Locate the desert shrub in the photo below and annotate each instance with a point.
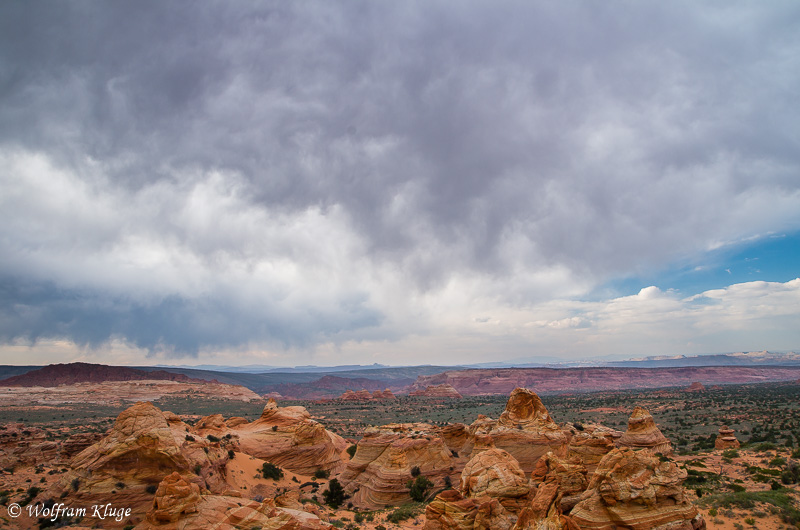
(120, 485)
(401, 513)
(777, 462)
(197, 469)
(274, 428)
(189, 438)
(712, 512)
(358, 517)
(415, 471)
(419, 487)
(730, 453)
(736, 487)
(269, 470)
(352, 451)
(151, 489)
(334, 495)
(231, 454)
(212, 438)
(76, 483)
(321, 473)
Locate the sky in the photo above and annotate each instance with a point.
(291, 183)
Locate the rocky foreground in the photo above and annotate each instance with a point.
(519, 471)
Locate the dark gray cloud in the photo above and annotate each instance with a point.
(438, 139)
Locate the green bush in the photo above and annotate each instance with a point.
(415, 471)
(419, 487)
(401, 513)
(269, 470)
(321, 473)
(352, 451)
(334, 495)
(730, 453)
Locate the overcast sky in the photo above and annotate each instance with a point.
(396, 182)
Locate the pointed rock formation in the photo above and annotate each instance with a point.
(636, 490)
(726, 439)
(174, 499)
(386, 394)
(378, 473)
(643, 433)
(525, 429)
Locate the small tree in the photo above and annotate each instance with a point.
(419, 487)
(334, 495)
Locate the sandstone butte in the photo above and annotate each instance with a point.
(378, 473)
(180, 505)
(696, 387)
(365, 395)
(143, 446)
(643, 433)
(524, 429)
(437, 391)
(71, 373)
(726, 439)
(285, 436)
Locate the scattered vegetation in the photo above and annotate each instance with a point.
(270, 470)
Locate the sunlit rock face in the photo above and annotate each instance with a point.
(284, 436)
(635, 489)
(643, 433)
(144, 446)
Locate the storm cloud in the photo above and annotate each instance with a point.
(190, 177)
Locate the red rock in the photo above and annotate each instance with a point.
(437, 391)
(696, 387)
(643, 433)
(726, 439)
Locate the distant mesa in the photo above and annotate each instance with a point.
(696, 387)
(726, 439)
(69, 374)
(444, 390)
(365, 395)
(272, 395)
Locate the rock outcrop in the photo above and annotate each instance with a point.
(71, 373)
(379, 472)
(643, 433)
(635, 489)
(437, 391)
(591, 444)
(144, 445)
(284, 436)
(525, 429)
(726, 439)
(696, 387)
(179, 505)
(383, 394)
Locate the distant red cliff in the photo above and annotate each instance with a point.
(68, 374)
(476, 382)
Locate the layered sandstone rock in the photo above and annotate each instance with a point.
(378, 474)
(385, 394)
(179, 505)
(525, 429)
(726, 439)
(643, 433)
(437, 391)
(696, 387)
(493, 489)
(569, 474)
(544, 510)
(284, 436)
(144, 445)
(634, 489)
(592, 444)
